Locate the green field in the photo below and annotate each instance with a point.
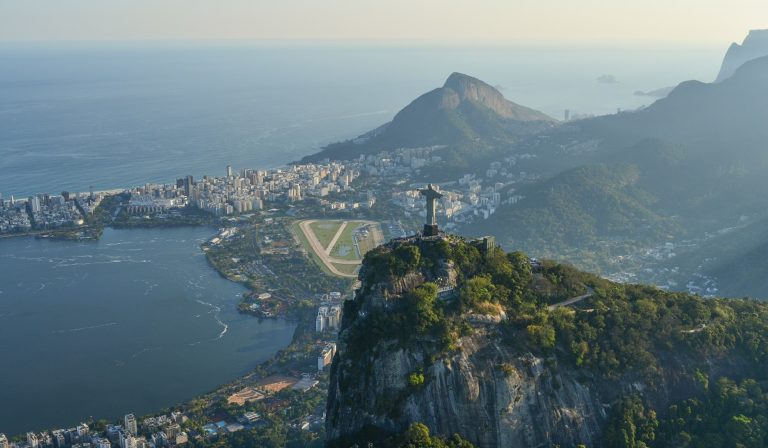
(330, 261)
(325, 231)
(308, 248)
(345, 246)
(369, 242)
(347, 268)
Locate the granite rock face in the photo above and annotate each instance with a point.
(459, 87)
(755, 45)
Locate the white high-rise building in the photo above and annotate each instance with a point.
(127, 440)
(34, 204)
(32, 440)
(328, 318)
(130, 424)
(326, 356)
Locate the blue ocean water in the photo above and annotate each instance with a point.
(113, 115)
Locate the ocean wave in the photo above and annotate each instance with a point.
(145, 350)
(150, 288)
(216, 310)
(111, 261)
(92, 327)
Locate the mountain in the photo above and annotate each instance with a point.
(578, 208)
(735, 259)
(463, 111)
(461, 89)
(656, 93)
(697, 157)
(755, 45)
(452, 336)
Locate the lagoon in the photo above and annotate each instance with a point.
(133, 323)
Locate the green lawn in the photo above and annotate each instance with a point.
(345, 248)
(325, 231)
(347, 268)
(308, 247)
(369, 242)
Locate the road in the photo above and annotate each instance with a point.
(572, 300)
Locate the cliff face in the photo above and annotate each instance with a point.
(487, 393)
(524, 404)
(755, 45)
(487, 388)
(466, 88)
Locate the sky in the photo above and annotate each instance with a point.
(503, 21)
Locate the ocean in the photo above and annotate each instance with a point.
(110, 115)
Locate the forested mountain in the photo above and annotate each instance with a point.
(465, 114)
(448, 336)
(698, 160)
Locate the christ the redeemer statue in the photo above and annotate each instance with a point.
(430, 227)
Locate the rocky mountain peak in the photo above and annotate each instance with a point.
(460, 87)
(755, 45)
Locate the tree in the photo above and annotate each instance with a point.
(476, 290)
(421, 306)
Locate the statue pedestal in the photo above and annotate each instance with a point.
(430, 230)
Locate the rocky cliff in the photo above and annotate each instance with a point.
(501, 381)
(755, 45)
(461, 87)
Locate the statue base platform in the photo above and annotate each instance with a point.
(430, 230)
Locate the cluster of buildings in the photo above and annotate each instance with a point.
(45, 211)
(465, 199)
(14, 218)
(328, 318)
(246, 190)
(165, 431)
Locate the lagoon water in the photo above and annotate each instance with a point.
(135, 322)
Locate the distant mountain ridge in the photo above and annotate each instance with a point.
(465, 109)
(697, 160)
(755, 45)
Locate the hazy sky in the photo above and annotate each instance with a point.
(524, 21)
